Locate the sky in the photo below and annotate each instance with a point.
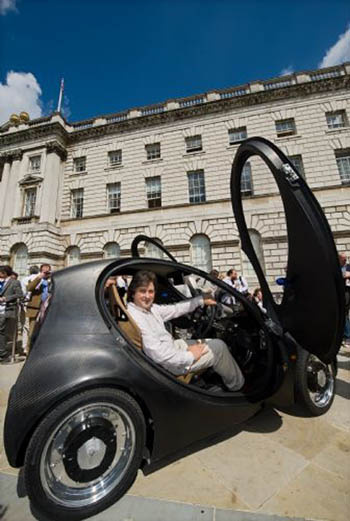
(119, 54)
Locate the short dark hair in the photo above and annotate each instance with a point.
(228, 273)
(6, 269)
(256, 291)
(140, 280)
(33, 270)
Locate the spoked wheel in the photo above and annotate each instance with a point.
(85, 455)
(315, 383)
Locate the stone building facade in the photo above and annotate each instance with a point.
(74, 192)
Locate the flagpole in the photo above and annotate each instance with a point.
(60, 96)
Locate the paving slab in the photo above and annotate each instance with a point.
(316, 493)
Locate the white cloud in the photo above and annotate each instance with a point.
(339, 53)
(7, 5)
(21, 91)
(287, 70)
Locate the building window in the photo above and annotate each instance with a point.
(152, 250)
(19, 258)
(29, 202)
(73, 256)
(34, 163)
(343, 164)
(193, 144)
(336, 119)
(285, 127)
(154, 192)
(297, 162)
(77, 203)
(201, 252)
(246, 180)
(153, 151)
(115, 158)
(247, 267)
(236, 135)
(111, 250)
(114, 197)
(196, 186)
(80, 164)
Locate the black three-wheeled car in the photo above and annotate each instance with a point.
(89, 409)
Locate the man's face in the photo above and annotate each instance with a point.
(46, 270)
(3, 275)
(234, 275)
(144, 296)
(342, 259)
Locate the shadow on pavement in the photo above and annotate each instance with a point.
(343, 388)
(343, 365)
(267, 421)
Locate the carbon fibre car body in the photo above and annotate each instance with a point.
(84, 379)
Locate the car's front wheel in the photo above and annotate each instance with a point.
(85, 454)
(314, 383)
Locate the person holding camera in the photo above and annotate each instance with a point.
(39, 291)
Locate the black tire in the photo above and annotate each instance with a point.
(315, 384)
(84, 455)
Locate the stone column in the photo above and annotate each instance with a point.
(6, 165)
(53, 178)
(12, 191)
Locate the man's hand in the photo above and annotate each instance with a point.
(209, 301)
(198, 350)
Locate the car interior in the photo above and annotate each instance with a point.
(241, 329)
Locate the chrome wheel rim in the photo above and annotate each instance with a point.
(320, 381)
(87, 454)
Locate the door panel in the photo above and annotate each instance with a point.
(312, 308)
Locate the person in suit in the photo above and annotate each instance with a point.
(39, 291)
(10, 292)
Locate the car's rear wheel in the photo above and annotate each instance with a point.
(85, 454)
(314, 384)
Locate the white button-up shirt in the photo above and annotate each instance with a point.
(158, 343)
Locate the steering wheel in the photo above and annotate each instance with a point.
(202, 320)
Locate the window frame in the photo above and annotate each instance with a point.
(154, 197)
(77, 205)
(32, 169)
(238, 131)
(116, 196)
(26, 202)
(76, 167)
(153, 151)
(284, 132)
(342, 156)
(333, 114)
(192, 185)
(118, 161)
(247, 173)
(194, 144)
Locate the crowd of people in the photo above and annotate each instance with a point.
(20, 304)
(21, 301)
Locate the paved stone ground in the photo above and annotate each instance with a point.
(277, 467)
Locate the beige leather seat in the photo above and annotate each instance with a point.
(128, 325)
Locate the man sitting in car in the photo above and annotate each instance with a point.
(177, 356)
